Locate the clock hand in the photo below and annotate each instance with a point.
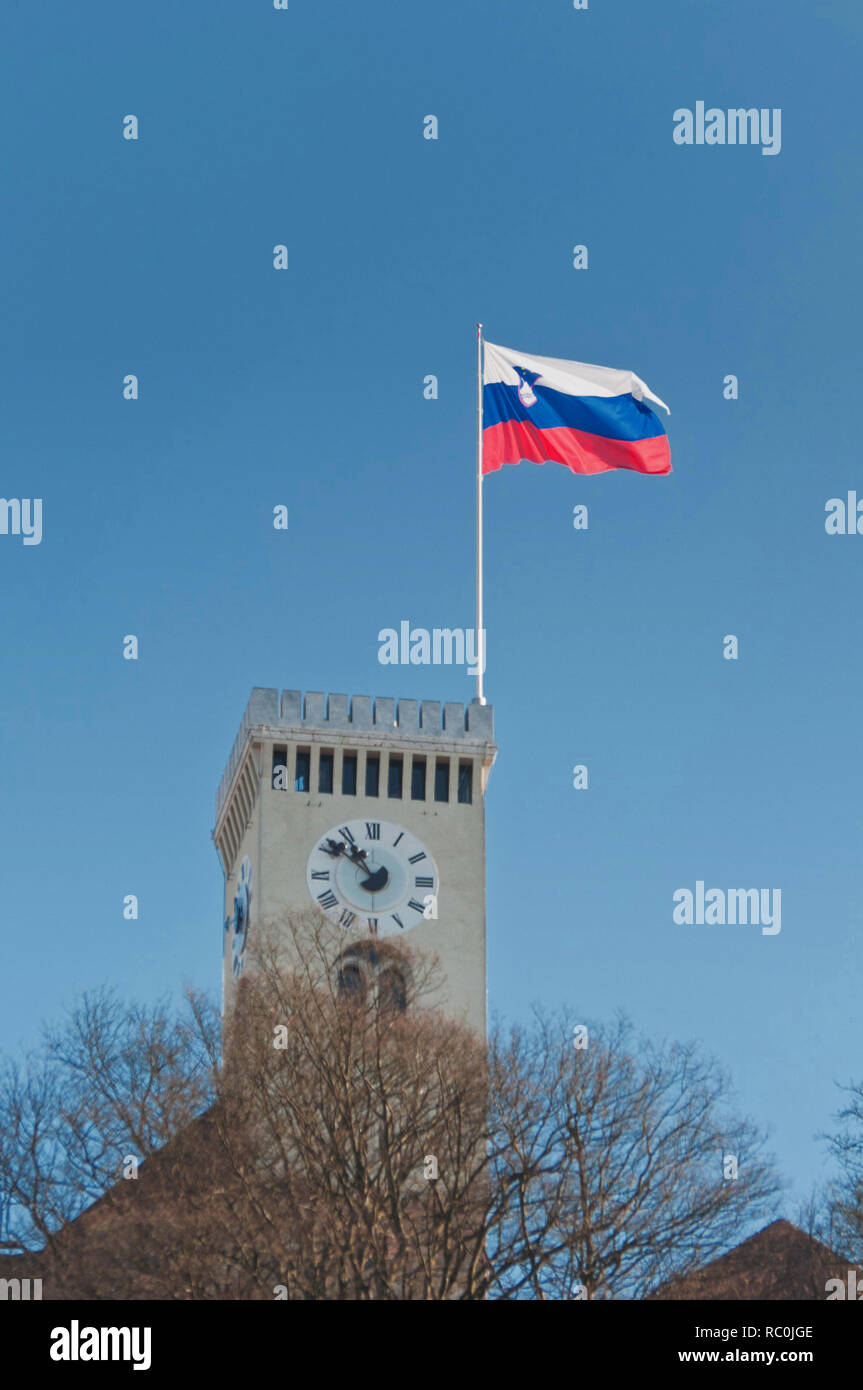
(335, 848)
(376, 880)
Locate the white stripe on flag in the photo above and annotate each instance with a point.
(572, 378)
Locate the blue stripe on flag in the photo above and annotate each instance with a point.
(612, 417)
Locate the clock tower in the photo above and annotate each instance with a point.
(369, 812)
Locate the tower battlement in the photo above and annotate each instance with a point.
(359, 714)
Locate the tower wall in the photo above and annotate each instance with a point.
(273, 829)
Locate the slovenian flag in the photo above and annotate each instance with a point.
(547, 410)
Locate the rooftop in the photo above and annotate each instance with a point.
(360, 714)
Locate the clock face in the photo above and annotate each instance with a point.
(373, 878)
(242, 912)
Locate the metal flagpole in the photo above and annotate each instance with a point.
(480, 643)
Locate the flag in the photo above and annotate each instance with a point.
(548, 410)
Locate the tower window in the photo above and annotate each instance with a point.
(325, 773)
(351, 980)
(301, 779)
(349, 774)
(396, 773)
(392, 991)
(441, 780)
(465, 783)
(418, 779)
(373, 774)
(280, 767)
(377, 977)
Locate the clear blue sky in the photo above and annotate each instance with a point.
(305, 388)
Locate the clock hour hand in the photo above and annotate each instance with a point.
(375, 881)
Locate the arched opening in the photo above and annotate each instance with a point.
(365, 966)
(351, 981)
(392, 990)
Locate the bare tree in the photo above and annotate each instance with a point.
(108, 1088)
(841, 1208)
(354, 1119)
(611, 1157)
(357, 1144)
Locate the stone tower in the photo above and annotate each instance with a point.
(370, 812)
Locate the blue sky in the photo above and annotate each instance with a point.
(305, 388)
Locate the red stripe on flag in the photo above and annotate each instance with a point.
(516, 441)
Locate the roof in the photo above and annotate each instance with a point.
(780, 1262)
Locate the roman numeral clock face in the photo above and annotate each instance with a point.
(373, 878)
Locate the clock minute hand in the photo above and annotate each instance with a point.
(377, 879)
(337, 848)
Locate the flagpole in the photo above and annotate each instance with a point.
(480, 644)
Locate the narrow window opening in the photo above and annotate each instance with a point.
(465, 783)
(280, 767)
(301, 777)
(441, 780)
(418, 779)
(349, 774)
(396, 773)
(373, 774)
(325, 773)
